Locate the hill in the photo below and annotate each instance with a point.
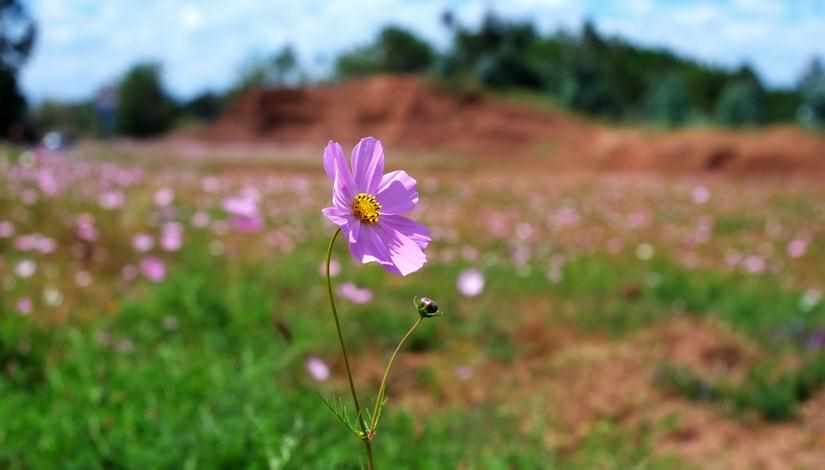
(415, 114)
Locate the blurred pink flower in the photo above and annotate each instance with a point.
(153, 269)
(244, 211)
(47, 182)
(317, 369)
(200, 219)
(35, 242)
(143, 242)
(85, 228)
(638, 219)
(565, 217)
(354, 293)
(24, 306)
(111, 200)
(6, 229)
(369, 207)
(700, 195)
(210, 184)
(334, 268)
(83, 279)
(247, 224)
(25, 268)
(45, 245)
(754, 264)
(241, 206)
(797, 248)
(733, 258)
(171, 236)
(470, 282)
(524, 231)
(164, 197)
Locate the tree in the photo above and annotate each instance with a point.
(395, 51)
(144, 107)
(17, 37)
(206, 106)
(741, 104)
(279, 69)
(813, 76)
(812, 89)
(668, 101)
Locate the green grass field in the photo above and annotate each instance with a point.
(627, 321)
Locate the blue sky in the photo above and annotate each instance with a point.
(202, 43)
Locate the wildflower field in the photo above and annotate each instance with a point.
(164, 306)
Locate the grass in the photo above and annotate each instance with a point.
(194, 375)
(207, 368)
(769, 391)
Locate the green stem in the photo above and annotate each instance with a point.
(379, 401)
(365, 438)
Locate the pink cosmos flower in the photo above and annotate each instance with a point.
(200, 219)
(754, 264)
(154, 269)
(111, 200)
(796, 248)
(334, 268)
(85, 228)
(318, 369)
(244, 211)
(700, 195)
(24, 306)
(25, 268)
(355, 294)
(241, 206)
(470, 282)
(369, 206)
(171, 237)
(6, 229)
(164, 197)
(143, 242)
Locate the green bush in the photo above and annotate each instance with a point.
(144, 107)
(396, 50)
(668, 101)
(741, 104)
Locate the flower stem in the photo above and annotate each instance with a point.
(366, 436)
(379, 401)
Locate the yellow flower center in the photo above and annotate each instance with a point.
(366, 208)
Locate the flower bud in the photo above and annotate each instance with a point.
(427, 307)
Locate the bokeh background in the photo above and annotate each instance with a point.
(625, 199)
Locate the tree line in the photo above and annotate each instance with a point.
(605, 77)
(608, 78)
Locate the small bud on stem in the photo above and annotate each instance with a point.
(427, 307)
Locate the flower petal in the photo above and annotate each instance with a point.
(368, 165)
(368, 247)
(332, 152)
(353, 230)
(337, 215)
(397, 195)
(337, 169)
(418, 233)
(394, 251)
(405, 254)
(397, 175)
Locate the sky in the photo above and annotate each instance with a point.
(202, 44)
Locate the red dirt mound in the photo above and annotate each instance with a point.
(411, 113)
(400, 110)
